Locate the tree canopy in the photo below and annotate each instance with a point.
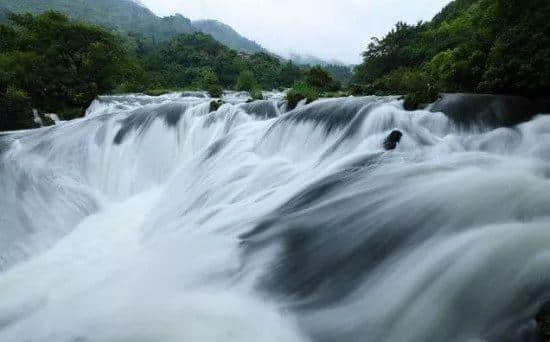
(489, 46)
(55, 64)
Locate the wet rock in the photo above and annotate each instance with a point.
(261, 108)
(215, 105)
(492, 111)
(392, 140)
(543, 323)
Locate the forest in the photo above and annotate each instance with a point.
(56, 65)
(472, 46)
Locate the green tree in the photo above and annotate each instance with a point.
(209, 81)
(61, 65)
(15, 110)
(320, 79)
(290, 73)
(246, 81)
(494, 46)
(300, 91)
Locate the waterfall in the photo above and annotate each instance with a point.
(154, 219)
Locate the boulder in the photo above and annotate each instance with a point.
(543, 323)
(490, 111)
(392, 140)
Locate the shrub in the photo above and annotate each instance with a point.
(300, 91)
(158, 92)
(46, 120)
(246, 81)
(420, 98)
(209, 82)
(256, 94)
(15, 110)
(320, 79)
(215, 90)
(357, 89)
(418, 86)
(70, 113)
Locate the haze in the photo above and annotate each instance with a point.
(325, 28)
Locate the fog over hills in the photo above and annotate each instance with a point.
(226, 35)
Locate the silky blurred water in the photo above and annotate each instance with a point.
(152, 219)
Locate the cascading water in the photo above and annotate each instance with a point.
(154, 220)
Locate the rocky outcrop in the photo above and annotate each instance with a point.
(490, 110)
(543, 323)
(261, 108)
(215, 105)
(392, 140)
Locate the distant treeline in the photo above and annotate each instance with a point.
(476, 46)
(56, 65)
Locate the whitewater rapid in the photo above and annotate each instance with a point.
(154, 219)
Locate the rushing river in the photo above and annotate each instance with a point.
(153, 219)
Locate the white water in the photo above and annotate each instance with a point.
(154, 220)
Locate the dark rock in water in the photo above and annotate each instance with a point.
(490, 110)
(142, 118)
(261, 108)
(215, 105)
(392, 140)
(543, 322)
(336, 113)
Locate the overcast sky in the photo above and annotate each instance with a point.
(339, 29)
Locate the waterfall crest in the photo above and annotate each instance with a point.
(154, 219)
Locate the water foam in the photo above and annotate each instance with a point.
(154, 219)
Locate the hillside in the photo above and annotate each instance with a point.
(338, 70)
(119, 15)
(313, 60)
(473, 46)
(227, 35)
(57, 65)
(131, 17)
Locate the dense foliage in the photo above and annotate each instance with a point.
(247, 82)
(337, 70)
(492, 46)
(340, 73)
(55, 65)
(52, 64)
(317, 83)
(128, 18)
(184, 61)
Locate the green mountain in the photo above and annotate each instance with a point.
(474, 46)
(119, 15)
(313, 60)
(338, 70)
(131, 17)
(227, 36)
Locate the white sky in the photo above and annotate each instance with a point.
(328, 29)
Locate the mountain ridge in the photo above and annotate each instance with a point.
(132, 16)
(227, 35)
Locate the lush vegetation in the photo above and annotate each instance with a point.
(53, 64)
(247, 82)
(489, 46)
(317, 83)
(337, 70)
(198, 61)
(129, 18)
(340, 73)
(50, 63)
